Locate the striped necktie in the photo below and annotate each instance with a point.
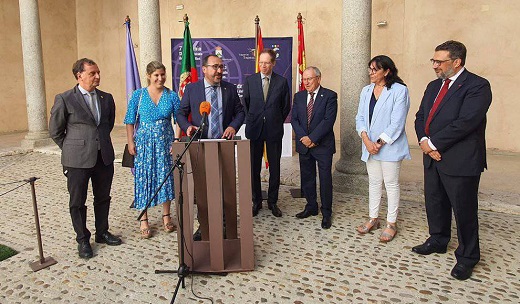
(310, 106)
(214, 131)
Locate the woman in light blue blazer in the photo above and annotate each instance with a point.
(380, 122)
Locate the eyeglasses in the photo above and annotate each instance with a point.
(309, 79)
(265, 63)
(372, 70)
(438, 62)
(216, 66)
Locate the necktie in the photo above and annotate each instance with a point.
(265, 87)
(436, 104)
(92, 106)
(214, 131)
(310, 106)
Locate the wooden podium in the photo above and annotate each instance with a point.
(210, 179)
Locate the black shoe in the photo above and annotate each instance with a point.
(428, 248)
(84, 250)
(461, 271)
(256, 209)
(306, 213)
(108, 238)
(197, 236)
(326, 222)
(275, 210)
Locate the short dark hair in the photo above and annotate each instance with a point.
(270, 52)
(205, 59)
(79, 66)
(456, 49)
(385, 63)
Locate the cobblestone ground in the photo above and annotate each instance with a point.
(296, 261)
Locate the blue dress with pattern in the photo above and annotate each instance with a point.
(153, 140)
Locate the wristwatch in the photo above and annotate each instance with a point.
(380, 141)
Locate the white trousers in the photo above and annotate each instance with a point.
(387, 171)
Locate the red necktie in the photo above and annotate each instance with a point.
(310, 106)
(436, 104)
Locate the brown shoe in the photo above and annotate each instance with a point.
(370, 225)
(388, 233)
(146, 232)
(168, 226)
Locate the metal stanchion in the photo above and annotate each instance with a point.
(43, 262)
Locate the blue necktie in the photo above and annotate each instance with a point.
(214, 131)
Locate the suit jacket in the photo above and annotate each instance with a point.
(321, 126)
(195, 93)
(458, 126)
(73, 128)
(272, 112)
(388, 122)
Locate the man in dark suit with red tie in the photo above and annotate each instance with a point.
(450, 126)
(80, 124)
(267, 102)
(313, 115)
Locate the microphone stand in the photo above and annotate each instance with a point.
(184, 270)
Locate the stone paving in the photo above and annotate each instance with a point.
(296, 260)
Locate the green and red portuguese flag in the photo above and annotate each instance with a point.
(188, 67)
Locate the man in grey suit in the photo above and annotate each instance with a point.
(267, 102)
(80, 124)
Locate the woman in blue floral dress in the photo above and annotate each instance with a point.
(153, 108)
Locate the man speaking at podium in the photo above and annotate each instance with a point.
(224, 120)
(226, 115)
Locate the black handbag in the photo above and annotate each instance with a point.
(128, 159)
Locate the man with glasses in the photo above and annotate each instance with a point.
(313, 115)
(450, 126)
(226, 115)
(267, 102)
(224, 120)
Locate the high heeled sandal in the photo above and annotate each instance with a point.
(146, 233)
(169, 226)
(370, 225)
(388, 233)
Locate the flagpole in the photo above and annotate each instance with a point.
(257, 24)
(301, 65)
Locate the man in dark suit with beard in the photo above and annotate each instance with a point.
(225, 119)
(313, 115)
(450, 126)
(80, 124)
(267, 102)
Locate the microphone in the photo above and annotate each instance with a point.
(204, 109)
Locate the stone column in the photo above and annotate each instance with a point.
(149, 33)
(38, 134)
(350, 172)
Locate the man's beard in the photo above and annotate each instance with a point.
(445, 75)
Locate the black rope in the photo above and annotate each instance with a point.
(26, 182)
(15, 182)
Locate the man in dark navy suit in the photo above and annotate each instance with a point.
(313, 116)
(267, 102)
(224, 120)
(450, 126)
(226, 115)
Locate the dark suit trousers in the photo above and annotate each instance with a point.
(274, 153)
(444, 193)
(308, 178)
(77, 184)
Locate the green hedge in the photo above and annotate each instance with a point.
(6, 252)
